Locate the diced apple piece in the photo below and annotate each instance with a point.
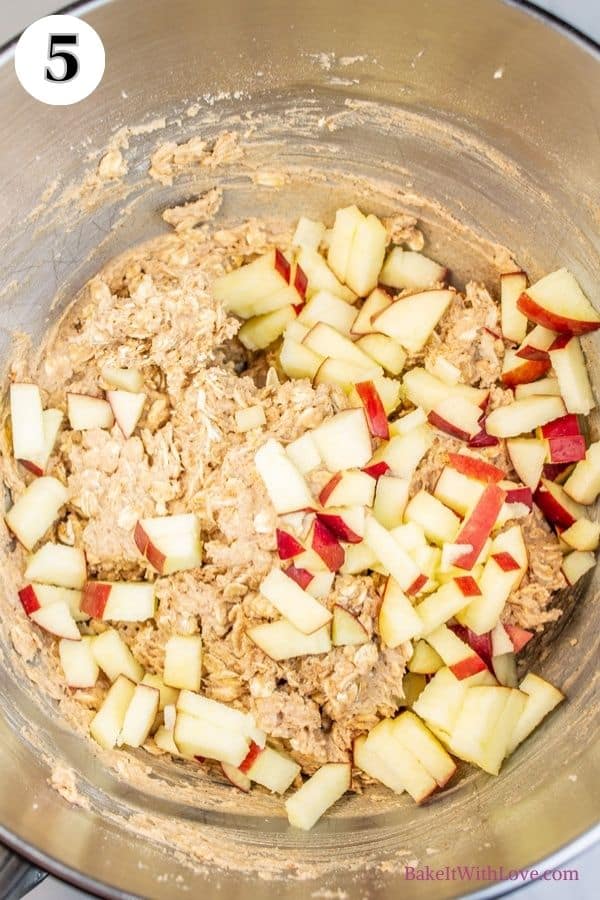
(376, 302)
(516, 370)
(199, 737)
(261, 331)
(485, 726)
(366, 256)
(460, 658)
(56, 619)
(78, 663)
(304, 454)
(346, 523)
(52, 421)
(557, 302)
(57, 564)
(250, 417)
(358, 558)
(545, 386)
(26, 421)
(346, 223)
(583, 485)
(568, 449)
(391, 497)
(269, 768)
(557, 505)
(425, 390)
(127, 409)
(285, 485)
(171, 543)
(327, 342)
(388, 552)
(351, 488)
(346, 629)
(384, 351)
(167, 695)
(220, 715)
(374, 766)
(398, 620)
(413, 735)
(425, 660)
(119, 601)
(320, 277)
(327, 546)
(535, 345)
(374, 409)
(444, 370)
(308, 233)
(444, 603)
(241, 289)
(458, 491)
(297, 360)
(542, 698)
(139, 717)
(404, 452)
(287, 545)
(514, 323)
(412, 774)
(527, 456)
(497, 582)
(236, 777)
(568, 363)
(34, 595)
(441, 701)
(115, 658)
(303, 611)
(343, 441)
(479, 524)
(412, 320)
(319, 585)
(280, 640)
(106, 725)
(582, 535)
(163, 738)
(85, 412)
(123, 379)
(413, 685)
(322, 790)
(183, 662)
(326, 307)
(457, 417)
(342, 373)
(475, 467)
(519, 636)
(576, 564)
(439, 523)
(566, 426)
(524, 415)
(408, 269)
(36, 510)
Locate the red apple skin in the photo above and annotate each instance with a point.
(417, 584)
(94, 599)
(519, 636)
(558, 472)
(481, 644)
(31, 467)
(28, 599)
(155, 557)
(141, 538)
(377, 470)
(302, 577)
(438, 422)
(248, 760)
(329, 488)
(300, 281)
(374, 411)
(529, 370)
(468, 666)
(476, 468)
(287, 545)
(568, 449)
(555, 322)
(468, 586)
(562, 427)
(282, 266)
(328, 547)
(522, 495)
(483, 439)
(551, 508)
(477, 528)
(506, 562)
(562, 340)
(336, 525)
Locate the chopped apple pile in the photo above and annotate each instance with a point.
(342, 308)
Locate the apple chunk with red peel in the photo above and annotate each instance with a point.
(119, 601)
(199, 737)
(557, 302)
(455, 653)
(352, 487)
(115, 658)
(541, 698)
(457, 417)
(106, 725)
(57, 564)
(85, 412)
(285, 486)
(327, 546)
(460, 492)
(569, 366)
(170, 543)
(303, 611)
(346, 630)
(36, 510)
(287, 545)
(412, 320)
(237, 778)
(478, 526)
(439, 523)
(556, 504)
(583, 484)
(398, 619)
(240, 290)
(514, 323)
(280, 640)
(576, 564)
(344, 441)
(516, 370)
(475, 467)
(568, 449)
(139, 716)
(519, 636)
(374, 409)
(26, 421)
(409, 269)
(524, 415)
(183, 662)
(446, 602)
(582, 535)
(127, 409)
(35, 595)
(57, 619)
(270, 768)
(322, 790)
(376, 302)
(383, 350)
(346, 524)
(424, 390)
(52, 421)
(119, 379)
(78, 664)
(527, 456)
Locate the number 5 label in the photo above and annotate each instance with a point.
(59, 60)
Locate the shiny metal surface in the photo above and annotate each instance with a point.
(514, 157)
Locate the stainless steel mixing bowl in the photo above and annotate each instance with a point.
(481, 106)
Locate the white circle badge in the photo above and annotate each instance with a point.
(59, 60)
